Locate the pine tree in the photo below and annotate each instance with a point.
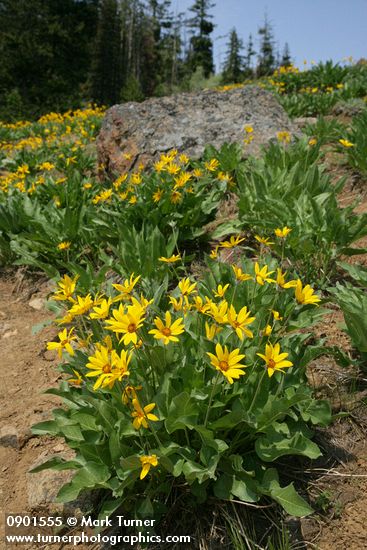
(106, 74)
(266, 59)
(286, 57)
(233, 65)
(45, 53)
(201, 45)
(250, 52)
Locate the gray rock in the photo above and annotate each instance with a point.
(43, 487)
(135, 133)
(350, 108)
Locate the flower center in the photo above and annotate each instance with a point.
(166, 331)
(131, 327)
(223, 365)
(107, 368)
(63, 342)
(271, 364)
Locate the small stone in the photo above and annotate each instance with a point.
(10, 333)
(37, 304)
(9, 437)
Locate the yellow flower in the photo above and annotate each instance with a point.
(221, 290)
(239, 321)
(64, 343)
(282, 233)
(78, 380)
(212, 165)
(100, 364)
(212, 330)
(186, 287)
(263, 240)
(66, 288)
(129, 393)
(281, 280)
(219, 312)
(175, 197)
(233, 241)
(276, 315)
(182, 179)
(82, 305)
(200, 306)
(214, 253)
(267, 330)
(312, 141)
(102, 311)
(159, 165)
(274, 359)
(171, 259)
(120, 364)
(64, 245)
(240, 275)
(228, 363)
(157, 195)
(284, 137)
(127, 323)
(147, 461)
(178, 304)
(197, 172)
(305, 295)
(263, 275)
(248, 129)
(46, 166)
(142, 415)
(127, 287)
(167, 332)
(184, 159)
(173, 168)
(346, 143)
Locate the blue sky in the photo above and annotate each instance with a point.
(314, 29)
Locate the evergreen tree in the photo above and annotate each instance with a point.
(286, 57)
(106, 70)
(266, 59)
(46, 53)
(250, 52)
(201, 45)
(233, 65)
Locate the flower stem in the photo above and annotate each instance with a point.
(211, 399)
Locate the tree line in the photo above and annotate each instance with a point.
(58, 54)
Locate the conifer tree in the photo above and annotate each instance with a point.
(201, 45)
(250, 53)
(233, 65)
(266, 59)
(286, 60)
(106, 73)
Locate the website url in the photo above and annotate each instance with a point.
(75, 540)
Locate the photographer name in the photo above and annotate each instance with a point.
(121, 521)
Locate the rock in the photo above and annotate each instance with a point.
(135, 133)
(43, 487)
(9, 437)
(350, 108)
(303, 121)
(37, 303)
(10, 333)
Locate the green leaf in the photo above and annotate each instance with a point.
(182, 413)
(56, 463)
(287, 496)
(274, 445)
(91, 476)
